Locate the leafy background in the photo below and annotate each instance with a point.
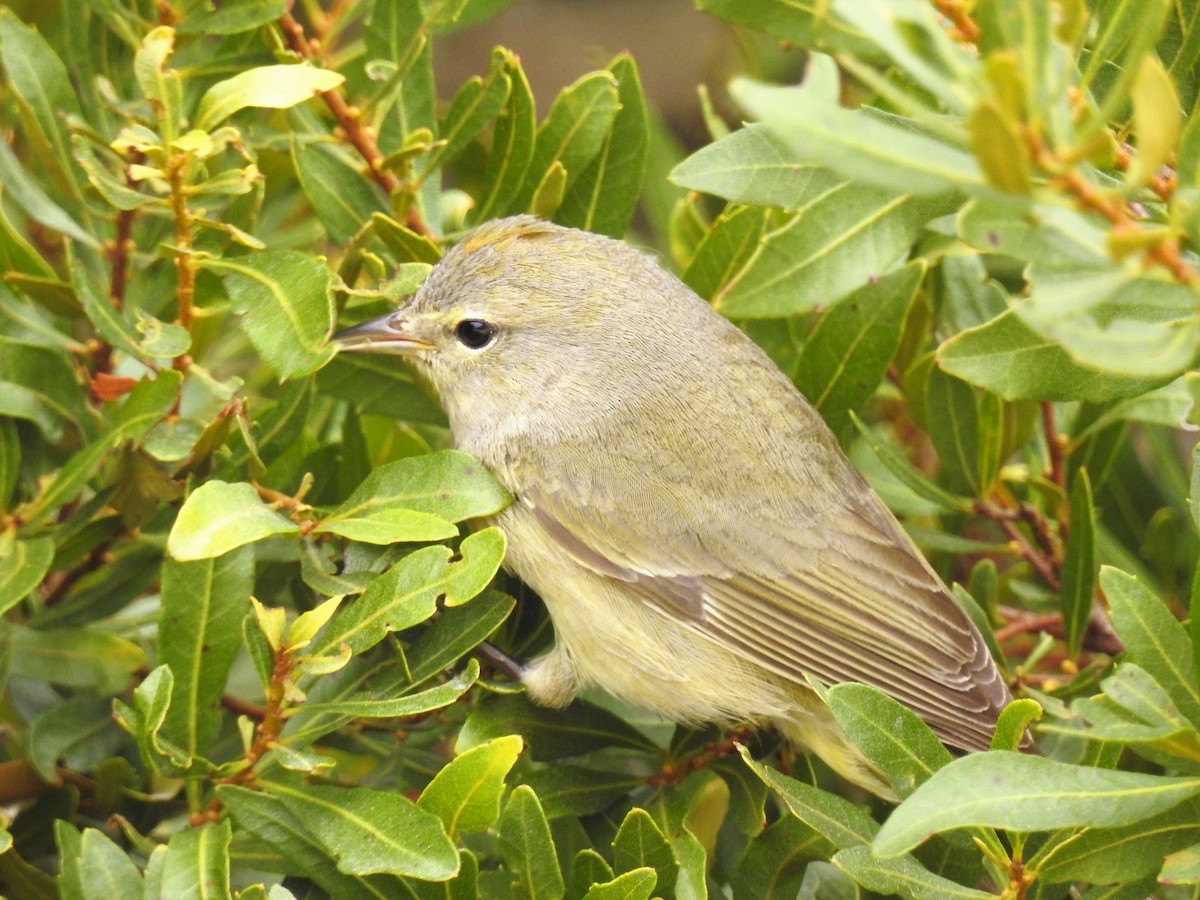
(240, 604)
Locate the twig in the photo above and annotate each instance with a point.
(674, 771)
(266, 733)
(1024, 624)
(1055, 443)
(240, 707)
(1165, 251)
(1044, 564)
(965, 29)
(99, 556)
(1162, 182)
(1099, 637)
(349, 119)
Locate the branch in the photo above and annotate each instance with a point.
(349, 119)
(1043, 562)
(1164, 251)
(674, 771)
(965, 29)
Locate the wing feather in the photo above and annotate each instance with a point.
(848, 599)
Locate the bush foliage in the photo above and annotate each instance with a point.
(240, 604)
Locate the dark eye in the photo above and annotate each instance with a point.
(474, 333)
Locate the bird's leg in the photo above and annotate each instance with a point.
(491, 655)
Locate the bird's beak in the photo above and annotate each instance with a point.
(387, 334)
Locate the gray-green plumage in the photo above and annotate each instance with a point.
(700, 540)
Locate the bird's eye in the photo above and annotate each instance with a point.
(474, 333)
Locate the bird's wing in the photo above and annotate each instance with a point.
(843, 597)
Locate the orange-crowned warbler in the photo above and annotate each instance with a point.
(701, 542)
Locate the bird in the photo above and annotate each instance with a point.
(704, 548)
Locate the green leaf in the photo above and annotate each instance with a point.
(197, 863)
(1079, 564)
(1173, 405)
(588, 868)
(865, 148)
(160, 85)
(408, 592)
(148, 403)
(726, 249)
(1008, 357)
(23, 565)
(268, 87)
(847, 355)
(269, 819)
(79, 731)
(218, 517)
(1135, 710)
(550, 734)
(527, 848)
(999, 147)
(839, 240)
(954, 423)
(1025, 793)
(466, 793)
(40, 385)
(75, 657)
(456, 632)
(775, 863)
(904, 876)
(144, 720)
(754, 165)
(232, 16)
(477, 103)
(417, 499)
(109, 870)
(199, 624)
(1013, 722)
(1182, 867)
(1111, 320)
(376, 384)
(549, 193)
(636, 884)
(1156, 119)
(573, 133)
(806, 24)
(907, 474)
(604, 196)
(404, 242)
(337, 191)
(40, 84)
(286, 306)
(640, 844)
(570, 790)
(890, 735)
(1104, 855)
(838, 821)
(397, 33)
(10, 463)
(368, 706)
(104, 316)
(512, 149)
(1153, 638)
(28, 194)
(369, 831)
(70, 852)
(1056, 237)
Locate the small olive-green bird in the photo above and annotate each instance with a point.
(702, 544)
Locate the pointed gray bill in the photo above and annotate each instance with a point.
(383, 335)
